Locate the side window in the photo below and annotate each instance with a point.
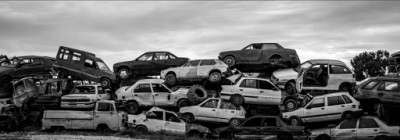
(36, 61)
(269, 47)
(24, 63)
(159, 88)
(105, 107)
(336, 69)
(207, 62)
(389, 86)
(370, 85)
(194, 63)
(320, 102)
(227, 105)
(265, 85)
(157, 115)
(348, 124)
(146, 57)
(249, 83)
(161, 56)
(171, 56)
(213, 103)
(254, 122)
(269, 122)
(335, 100)
(367, 123)
(347, 99)
(76, 57)
(250, 47)
(63, 54)
(143, 88)
(90, 64)
(101, 90)
(171, 117)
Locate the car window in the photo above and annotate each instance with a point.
(171, 56)
(253, 122)
(370, 85)
(161, 56)
(250, 47)
(90, 64)
(249, 83)
(213, 103)
(36, 61)
(265, 85)
(146, 57)
(143, 88)
(85, 90)
(367, 123)
(194, 63)
(227, 105)
(336, 69)
(171, 117)
(207, 62)
(318, 102)
(268, 46)
(159, 88)
(348, 124)
(105, 107)
(389, 86)
(269, 122)
(101, 90)
(335, 100)
(347, 99)
(24, 63)
(63, 54)
(157, 115)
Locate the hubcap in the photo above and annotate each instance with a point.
(214, 77)
(105, 83)
(229, 61)
(235, 122)
(290, 105)
(294, 122)
(123, 74)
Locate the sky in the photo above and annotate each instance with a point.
(123, 30)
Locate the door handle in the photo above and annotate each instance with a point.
(353, 130)
(240, 89)
(375, 129)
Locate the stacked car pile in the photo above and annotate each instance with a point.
(259, 92)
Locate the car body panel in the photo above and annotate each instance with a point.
(280, 77)
(24, 66)
(389, 94)
(84, 96)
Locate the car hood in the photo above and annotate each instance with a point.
(297, 112)
(181, 91)
(235, 77)
(122, 63)
(122, 89)
(79, 96)
(199, 128)
(288, 73)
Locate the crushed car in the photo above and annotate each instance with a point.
(149, 63)
(196, 70)
(214, 110)
(158, 120)
(84, 96)
(149, 93)
(83, 65)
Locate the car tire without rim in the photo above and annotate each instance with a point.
(237, 99)
(215, 77)
(123, 73)
(290, 88)
(275, 60)
(170, 79)
(197, 94)
(62, 74)
(295, 121)
(141, 129)
(132, 108)
(183, 103)
(290, 105)
(230, 61)
(188, 117)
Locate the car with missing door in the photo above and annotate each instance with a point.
(196, 70)
(148, 64)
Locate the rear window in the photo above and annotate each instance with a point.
(335, 100)
(370, 85)
(335, 69)
(207, 62)
(347, 99)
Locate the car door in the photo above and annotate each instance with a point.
(227, 111)
(368, 128)
(269, 94)
(389, 91)
(204, 68)
(174, 125)
(89, 71)
(208, 110)
(144, 64)
(143, 94)
(72, 61)
(248, 89)
(337, 75)
(162, 96)
(345, 131)
(155, 122)
(102, 94)
(315, 111)
(336, 106)
(160, 61)
(269, 127)
(249, 54)
(105, 114)
(250, 129)
(189, 70)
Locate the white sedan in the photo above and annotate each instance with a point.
(196, 70)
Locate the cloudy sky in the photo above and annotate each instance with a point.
(120, 31)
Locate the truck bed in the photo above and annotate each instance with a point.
(67, 114)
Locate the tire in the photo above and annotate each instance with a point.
(323, 137)
(285, 136)
(294, 121)
(105, 82)
(237, 99)
(230, 61)
(103, 129)
(62, 74)
(290, 88)
(183, 103)
(170, 79)
(113, 96)
(215, 77)
(193, 134)
(234, 122)
(348, 115)
(142, 129)
(290, 105)
(188, 117)
(123, 73)
(132, 108)
(381, 138)
(346, 88)
(275, 60)
(197, 94)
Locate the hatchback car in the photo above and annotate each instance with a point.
(148, 64)
(363, 128)
(328, 107)
(214, 110)
(196, 70)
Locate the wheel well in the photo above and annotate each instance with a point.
(244, 101)
(346, 112)
(129, 101)
(214, 70)
(323, 135)
(296, 117)
(289, 97)
(275, 55)
(227, 56)
(344, 84)
(120, 67)
(176, 104)
(102, 124)
(171, 72)
(141, 125)
(291, 80)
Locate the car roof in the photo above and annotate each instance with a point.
(35, 56)
(157, 52)
(76, 50)
(259, 116)
(333, 94)
(385, 78)
(325, 61)
(256, 78)
(396, 54)
(150, 81)
(53, 80)
(87, 85)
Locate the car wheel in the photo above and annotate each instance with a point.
(123, 73)
(194, 134)
(197, 94)
(347, 115)
(295, 121)
(230, 61)
(290, 88)
(215, 77)
(234, 122)
(275, 60)
(290, 105)
(103, 129)
(132, 108)
(188, 117)
(323, 137)
(346, 88)
(62, 75)
(105, 82)
(237, 99)
(141, 129)
(183, 103)
(170, 80)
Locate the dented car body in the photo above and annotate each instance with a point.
(84, 96)
(24, 66)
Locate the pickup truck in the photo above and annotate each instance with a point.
(84, 96)
(104, 118)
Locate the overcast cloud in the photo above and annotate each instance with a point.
(121, 31)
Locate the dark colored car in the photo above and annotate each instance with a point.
(150, 63)
(4, 60)
(260, 56)
(262, 127)
(83, 65)
(24, 66)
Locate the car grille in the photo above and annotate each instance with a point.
(75, 100)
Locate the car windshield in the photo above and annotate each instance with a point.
(102, 66)
(84, 90)
(302, 66)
